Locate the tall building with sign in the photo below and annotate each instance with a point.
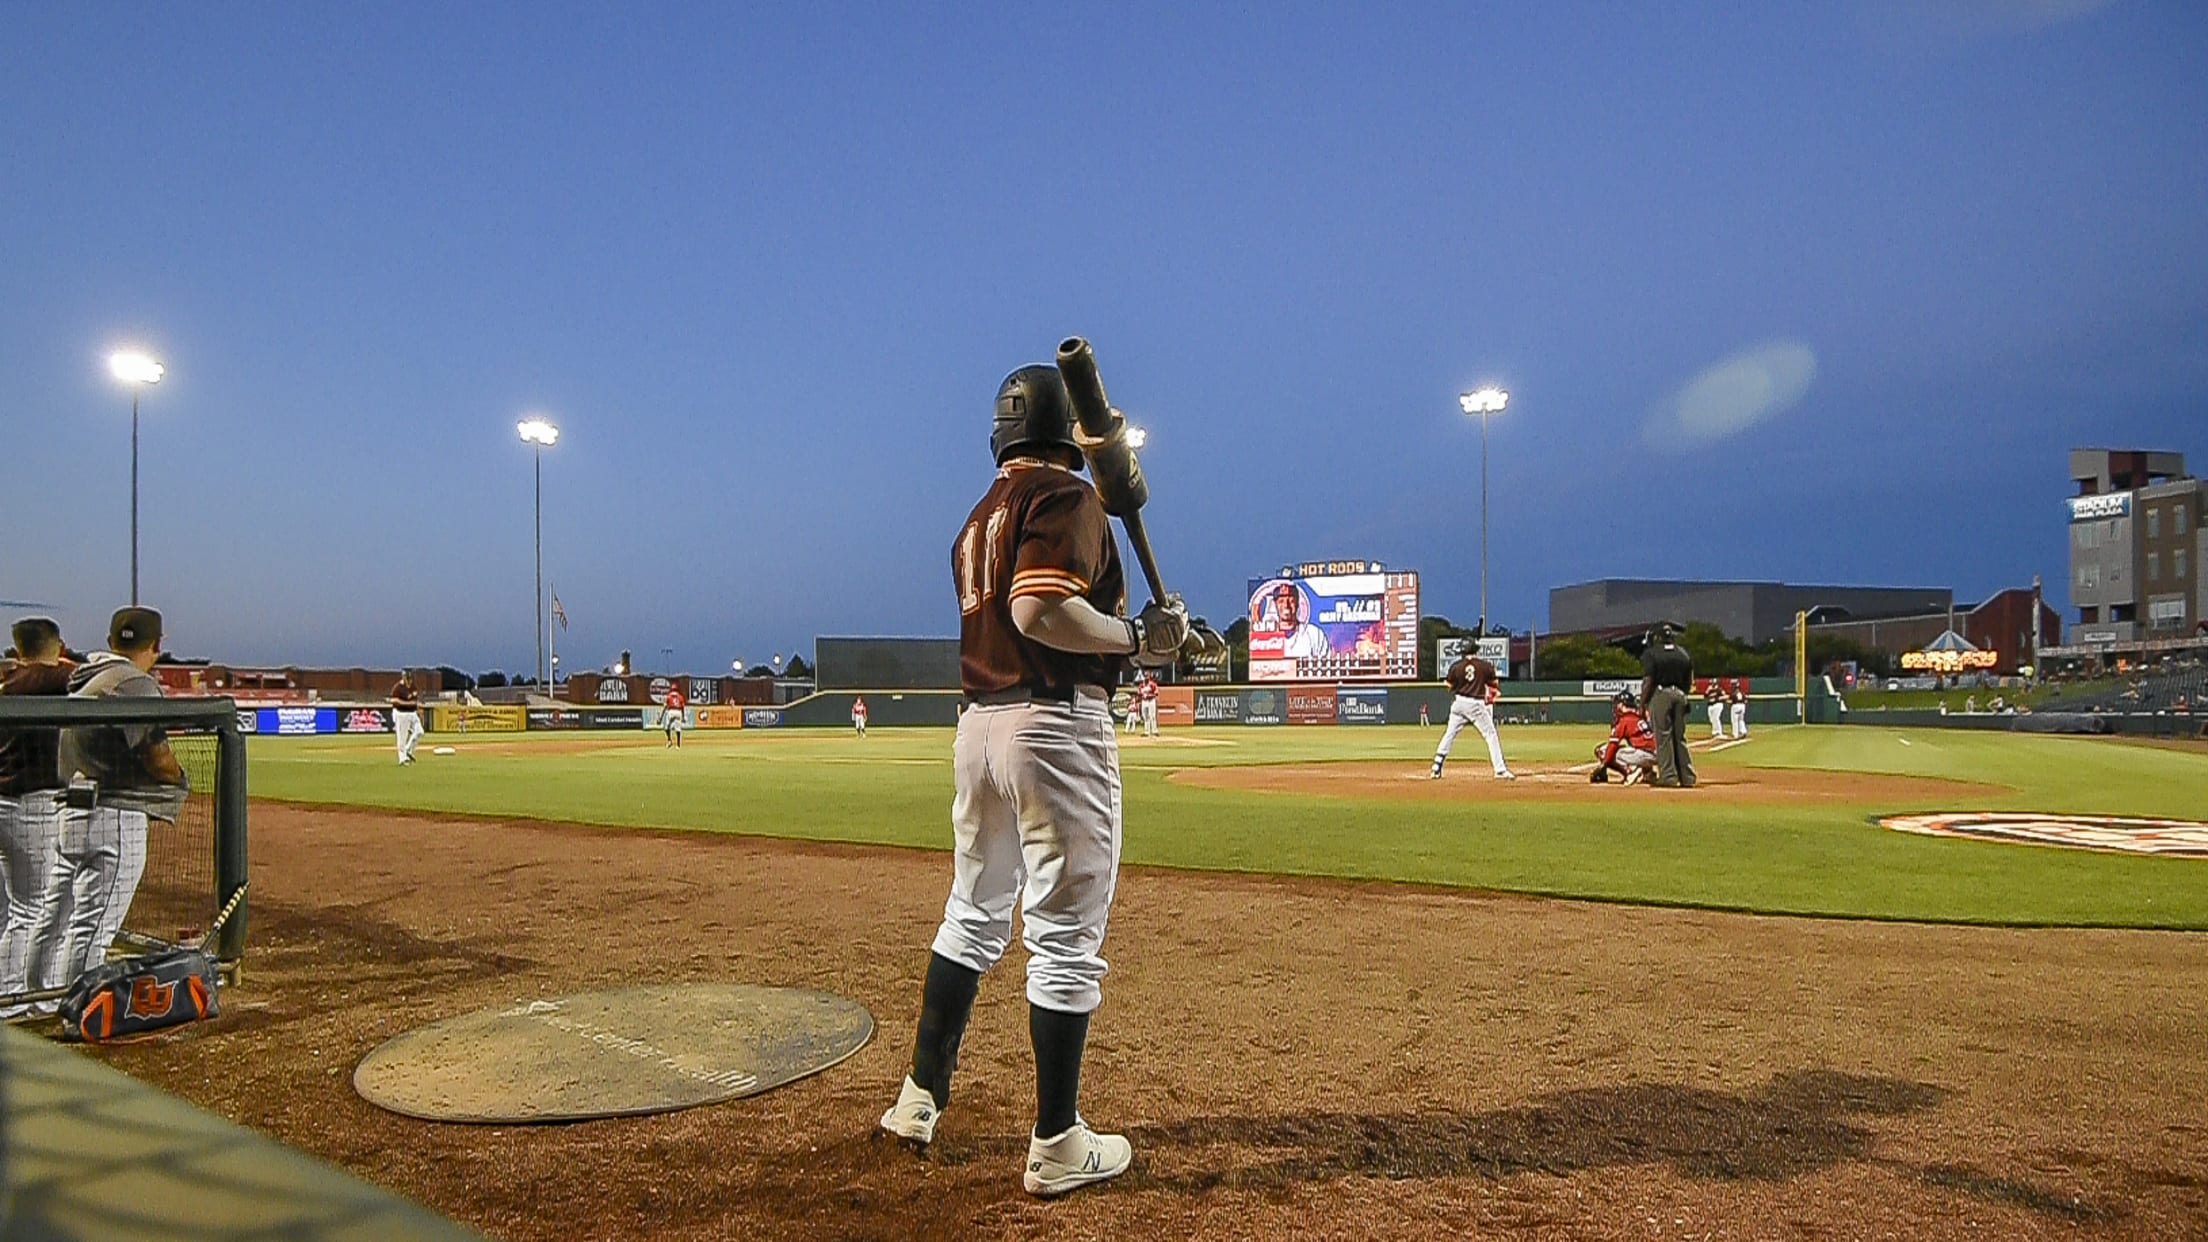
(2136, 547)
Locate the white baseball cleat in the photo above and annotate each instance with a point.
(913, 1117)
(1506, 775)
(1075, 1159)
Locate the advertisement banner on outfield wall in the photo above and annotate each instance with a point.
(297, 721)
(1361, 705)
(249, 720)
(1264, 707)
(1311, 705)
(1176, 706)
(1218, 707)
(476, 718)
(762, 717)
(364, 720)
(719, 717)
(581, 718)
(1495, 651)
(1608, 687)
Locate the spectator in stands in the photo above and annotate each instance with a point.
(30, 819)
(118, 778)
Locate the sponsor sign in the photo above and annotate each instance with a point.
(1361, 705)
(660, 687)
(364, 720)
(1311, 705)
(1358, 624)
(1949, 661)
(2107, 505)
(1264, 707)
(762, 717)
(720, 717)
(1176, 706)
(2173, 838)
(476, 718)
(296, 721)
(249, 721)
(1608, 687)
(704, 691)
(583, 718)
(613, 690)
(1217, 707)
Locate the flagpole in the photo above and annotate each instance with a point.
(552, 676)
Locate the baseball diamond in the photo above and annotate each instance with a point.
(1565, 1059)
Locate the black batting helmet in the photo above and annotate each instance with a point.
(1626, 698)
(1033, 411)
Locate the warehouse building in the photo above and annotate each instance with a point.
(1750, 612)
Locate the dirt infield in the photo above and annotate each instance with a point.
(1399, 779)
(1309, 1059)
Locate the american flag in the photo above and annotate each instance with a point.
(559, 614)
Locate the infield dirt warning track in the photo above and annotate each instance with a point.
(1291, 1058)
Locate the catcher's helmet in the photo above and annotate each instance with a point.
(1626, 698)
(1033, 411)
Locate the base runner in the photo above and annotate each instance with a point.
(1631, 749)
(1476, 687)
(1035, 820)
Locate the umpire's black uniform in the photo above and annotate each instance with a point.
(1667, 679)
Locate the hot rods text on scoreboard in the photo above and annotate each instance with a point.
(1334, 621)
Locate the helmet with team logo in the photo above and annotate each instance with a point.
(1626, 699)
(1033, 412)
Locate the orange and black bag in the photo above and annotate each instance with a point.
(136, 995)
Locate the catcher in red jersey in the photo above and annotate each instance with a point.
(1630, 750)
(1036, 816)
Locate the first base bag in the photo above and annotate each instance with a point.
(135, 995)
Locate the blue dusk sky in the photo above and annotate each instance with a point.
(1812, 292)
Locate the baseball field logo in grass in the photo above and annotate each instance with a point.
(2173, 838)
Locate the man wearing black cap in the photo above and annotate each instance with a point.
(30, 819)
(1667, 678)
(118, 777)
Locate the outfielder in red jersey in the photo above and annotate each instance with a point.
(858, 715)
(1035, 820)
(1631, 748)
(671, 720)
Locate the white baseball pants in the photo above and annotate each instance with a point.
(1466, 710)
(1740, 719)
(406, 727)
(1035, 823)
(1149, 717)
(1717, 719)
(97, 864)
(30, 830)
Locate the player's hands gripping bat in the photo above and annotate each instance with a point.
(1101, 431)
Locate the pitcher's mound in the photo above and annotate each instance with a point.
(612, 1054)
(1407, 779)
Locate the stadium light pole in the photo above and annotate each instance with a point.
(1483, 402)
(541, 433)
(137, 370)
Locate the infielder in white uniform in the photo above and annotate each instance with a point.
(118, 778)
(1714, 695)
(1036, 819)
(406, 717)
(1476, 687)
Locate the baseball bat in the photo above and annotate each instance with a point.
(1115, 470)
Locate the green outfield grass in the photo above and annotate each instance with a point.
(894, 788)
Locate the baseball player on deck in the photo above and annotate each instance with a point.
(1476, 687)
(1036, 817)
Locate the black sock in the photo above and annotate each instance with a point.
(946, 1002)
(1058, 1038)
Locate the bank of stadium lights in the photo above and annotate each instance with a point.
(1483, 402)
(543, 434)
(1137, 437)
(137, 370)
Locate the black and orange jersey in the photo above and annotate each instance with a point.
(1471, 676)
(1039, 531)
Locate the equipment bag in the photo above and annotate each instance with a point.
(134, 995)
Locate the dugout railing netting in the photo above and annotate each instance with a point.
(192, 866)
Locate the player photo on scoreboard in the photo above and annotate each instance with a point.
(1334, 626)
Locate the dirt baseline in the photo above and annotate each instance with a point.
(1290, 1058)
(1407, 780)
